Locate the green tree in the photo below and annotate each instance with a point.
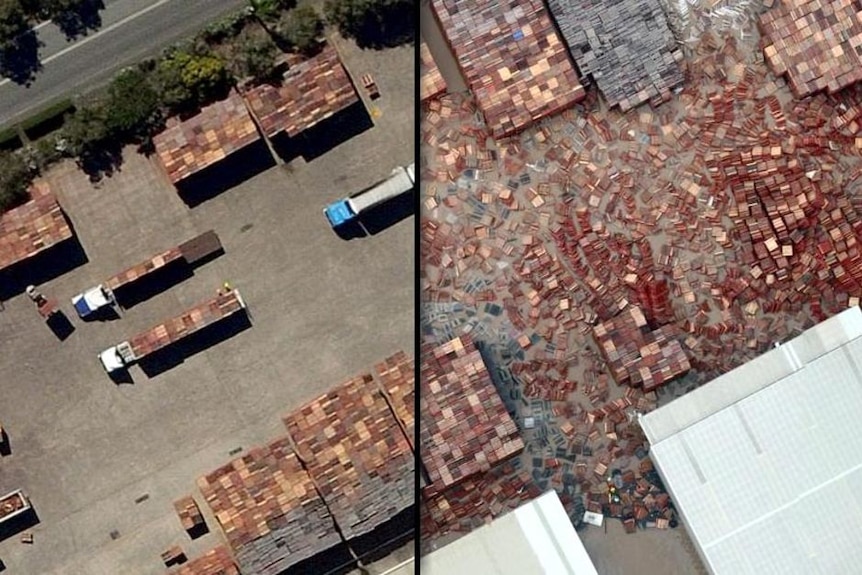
(372, 22)
(15, 179)
(13, 23)
(132, 103)
(302, 27)
(86, 130)
(187, 79)
(255, 57)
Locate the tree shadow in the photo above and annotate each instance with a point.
(20, 62)
(393, 26)
(101, 161)
(80, 21)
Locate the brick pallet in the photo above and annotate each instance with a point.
(189, 513)
(214, 562)
(431, 82)
(465, 427)
(186, 147)
(626, 47)
(270, 512)
(32, 227)
(398, 380)
(512, 59)
(309, 92)
(356, 454)
(816, 43)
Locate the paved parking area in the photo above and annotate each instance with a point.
(322, 309)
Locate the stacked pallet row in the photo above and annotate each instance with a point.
(267, 506)
(512, 59)
(626, 47)
(214, 562)
(465, 426)
(192, 320)
(356, 454)
(431, 82)
(816, 43)
(398, 380)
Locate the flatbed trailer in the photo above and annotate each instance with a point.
(122, 355)
(13, 505)
(103, 295)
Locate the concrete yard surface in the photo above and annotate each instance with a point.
(103, 462)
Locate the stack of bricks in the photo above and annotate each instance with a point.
(271, 514)
(465, 426)
(637, 355)
(152, 264)
(215, 562)
(186, 147)
(308, 93)
(192, 320)
(398, 380)
(357, 455)
(626, 47)
(512, 59)
(816, 43)
(33, 227)
(431, 82)
(189, 513)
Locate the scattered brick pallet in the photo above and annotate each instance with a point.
(465, 426)
(269, 510)
(356, 454)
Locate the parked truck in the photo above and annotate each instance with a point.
(188, 253)
(13, 505)
(119, 357)
(348, 210)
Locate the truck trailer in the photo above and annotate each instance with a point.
(13, 505)
(188, 253)
(119, 357)
(348, 210)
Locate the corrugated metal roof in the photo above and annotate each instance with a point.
(765, 462)
(537, 538)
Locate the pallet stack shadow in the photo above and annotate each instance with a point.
(512, 59)
(626, 47)
(336, 484)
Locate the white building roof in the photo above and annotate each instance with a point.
(764, 463)
(537, 538)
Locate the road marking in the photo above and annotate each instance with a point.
(102, 32)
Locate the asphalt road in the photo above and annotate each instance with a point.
(130, 30)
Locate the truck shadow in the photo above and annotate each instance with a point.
(173, 355)
(60, 325)
(151, 285)
(389, 213)
(18, 524)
